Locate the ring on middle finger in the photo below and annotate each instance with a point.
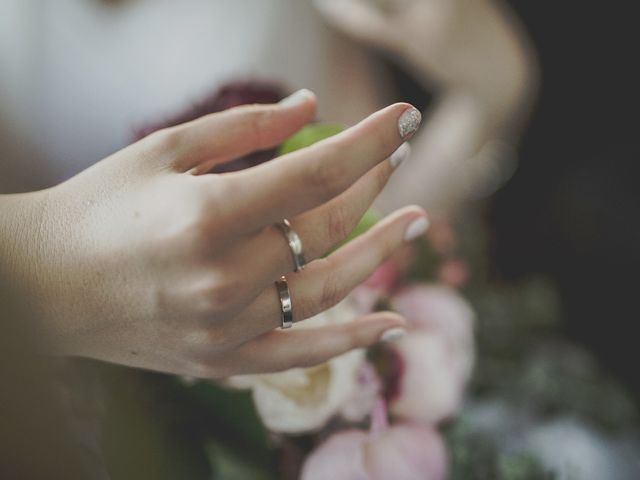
(295, 244)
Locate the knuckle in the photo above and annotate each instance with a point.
(196, 227)
(218, 194)
(202, 337)
(165, 140)
(224, 295)
(331, 293)
(325, 294)
(170, 230)
(200, 210)
(219, 295)
(196, 233)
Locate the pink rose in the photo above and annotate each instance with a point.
(454, 273)
(433, 308)
(442, 235)
(436, 359)
(399, 452)
(384, 280)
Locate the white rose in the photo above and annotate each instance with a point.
(303, 399)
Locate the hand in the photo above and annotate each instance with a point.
(476, 45)
(480, 61)
(146, 260)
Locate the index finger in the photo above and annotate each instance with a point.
(304, 179)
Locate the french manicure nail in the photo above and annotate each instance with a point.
(409, 122)
(297, 98)
(416, 229)
(400, 155)
(392, 335)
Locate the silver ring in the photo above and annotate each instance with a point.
(286, 308)
(295, 244)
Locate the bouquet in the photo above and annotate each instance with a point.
(482, 386)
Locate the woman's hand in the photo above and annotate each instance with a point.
(477, 46)
(478, 59)
(146, 260)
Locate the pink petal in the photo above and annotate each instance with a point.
(340, 457)
(407, 452)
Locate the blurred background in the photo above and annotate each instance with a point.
(571, 209)
(552, 251)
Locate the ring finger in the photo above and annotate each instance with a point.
(319, 229)
(327, 281)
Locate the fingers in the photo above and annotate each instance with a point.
(331, 279)
(319, 229)
(280, 350)
(327, 281)
(207, 141)
(304, 179)
(327, 225)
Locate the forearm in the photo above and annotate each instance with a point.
(26, 258)
(21, 225)
(485, 82)
(483, 52)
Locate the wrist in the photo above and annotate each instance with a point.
(21, 221)
(27, 258)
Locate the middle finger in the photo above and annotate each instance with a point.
(307, 178)
(319, 229)
(327, 281)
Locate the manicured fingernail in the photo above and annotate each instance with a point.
(409, 122)
(392, 335)
(297, 98)
(416, 229)
(400, 155)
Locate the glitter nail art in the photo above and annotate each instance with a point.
(409, 122)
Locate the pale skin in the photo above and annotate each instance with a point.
(478, 59)
(146, 260)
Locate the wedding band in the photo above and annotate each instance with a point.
(295, 244)
(286, 315)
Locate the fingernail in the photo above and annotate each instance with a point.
(297, 98)
(400, 155)
(409, 122)
(392, 335)
(416, 229)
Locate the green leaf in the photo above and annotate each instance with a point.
(228, 464)
(234, 416)
(369, 219)
(309, 135)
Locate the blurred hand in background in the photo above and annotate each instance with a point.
(477, 57)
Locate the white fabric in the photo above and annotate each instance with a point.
(77, 75)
